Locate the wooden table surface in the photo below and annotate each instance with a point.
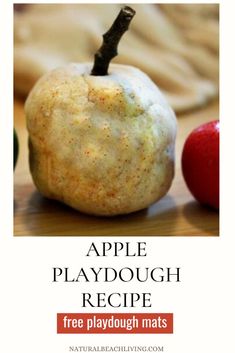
(176, 214)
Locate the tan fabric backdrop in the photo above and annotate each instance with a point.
(177, 45)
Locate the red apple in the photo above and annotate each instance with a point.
(200, 163)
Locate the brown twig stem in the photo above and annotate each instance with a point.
(108, 49)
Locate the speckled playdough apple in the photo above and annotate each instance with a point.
(102, 144)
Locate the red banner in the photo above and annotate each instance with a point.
(114, 323)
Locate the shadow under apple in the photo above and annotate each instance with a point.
(202, 218)
(52, 217)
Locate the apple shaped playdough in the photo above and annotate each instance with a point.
(200, 163)
(101, 141)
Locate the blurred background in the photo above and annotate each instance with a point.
(177, 45)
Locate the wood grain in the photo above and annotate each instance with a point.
(176, 214)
